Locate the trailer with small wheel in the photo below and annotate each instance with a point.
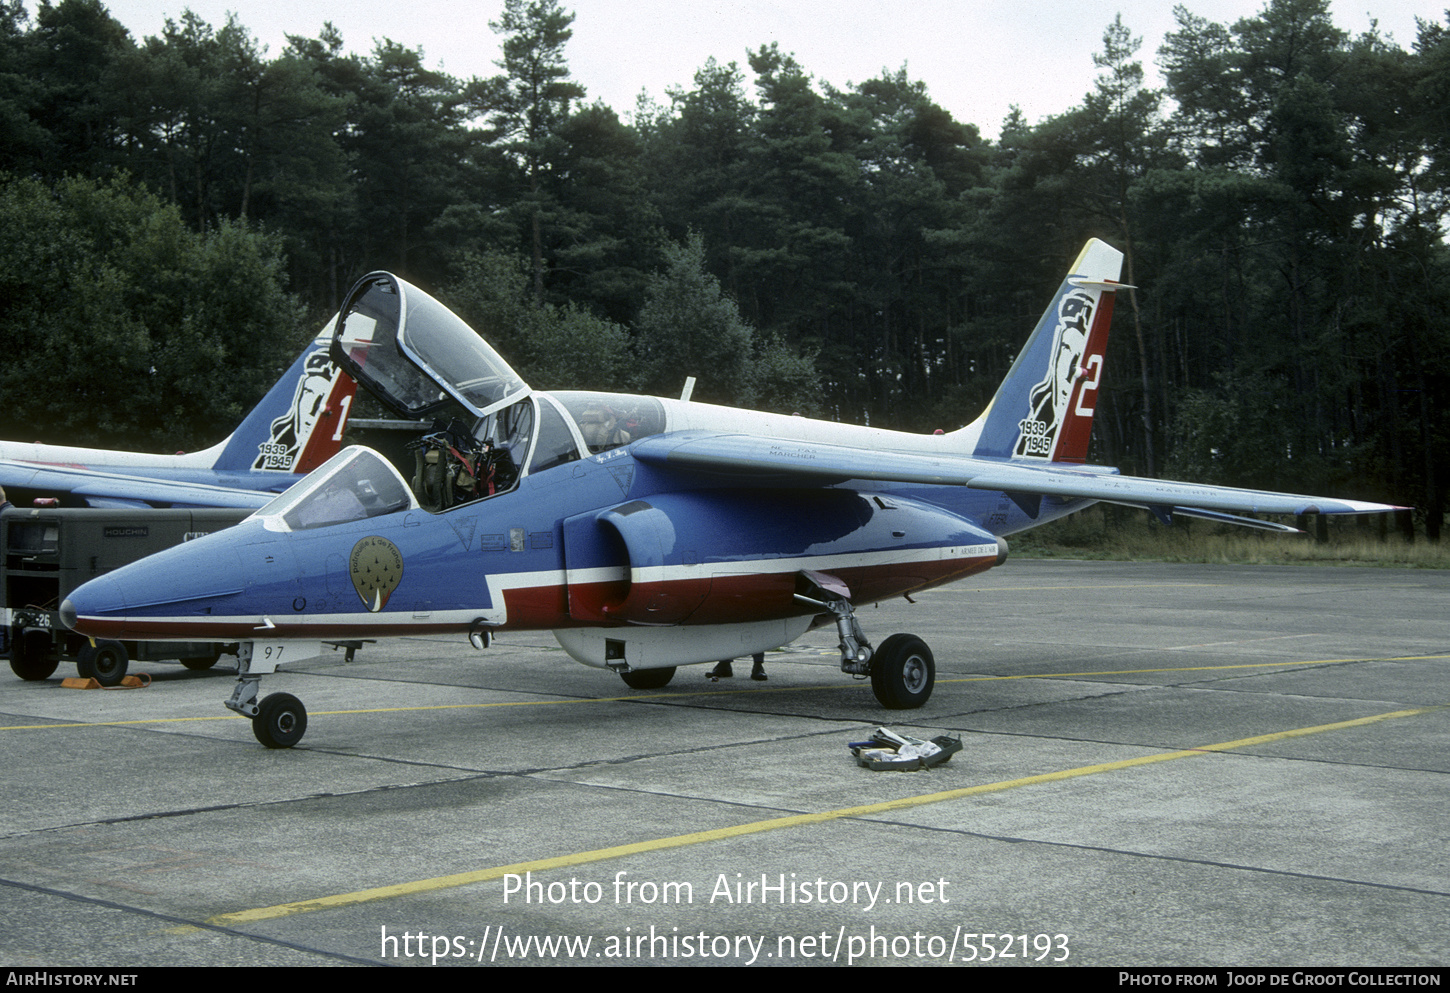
(47, 552)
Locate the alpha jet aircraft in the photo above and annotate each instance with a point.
(294, 429)
(645, 533)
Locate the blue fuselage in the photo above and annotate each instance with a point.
(600, 541)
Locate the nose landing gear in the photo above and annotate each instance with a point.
(280, 720)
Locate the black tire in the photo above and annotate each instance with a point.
(29, 656)
(105, 662)
(198, 663)
(281, 721)
(903, 672)
(648, 679)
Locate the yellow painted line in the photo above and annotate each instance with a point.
(714, 693)
(958, 588)
(112, 724)
(1140, 672)
(1188, 668)
(772, 824)
(1076, 586)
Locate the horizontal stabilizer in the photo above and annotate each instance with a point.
(1111, 286)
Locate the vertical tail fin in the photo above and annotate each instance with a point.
(298, 425)
(1044, 408)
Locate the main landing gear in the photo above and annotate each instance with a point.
(902, 670)
(648, 679)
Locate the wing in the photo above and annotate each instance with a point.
(102, 489)
(1024, 481)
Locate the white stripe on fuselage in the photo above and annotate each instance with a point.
(498, 584)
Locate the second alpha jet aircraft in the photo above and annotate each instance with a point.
(645, 533)
(294, 429)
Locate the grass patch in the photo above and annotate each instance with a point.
(1121, 533)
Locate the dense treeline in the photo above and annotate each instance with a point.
(855, 253)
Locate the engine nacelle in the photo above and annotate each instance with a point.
(702, 558)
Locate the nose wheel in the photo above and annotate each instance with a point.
(105, 662)
(281, 721)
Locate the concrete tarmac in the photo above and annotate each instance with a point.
(1162, 765)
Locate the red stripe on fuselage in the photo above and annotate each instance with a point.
(719, 599)
(705, 599)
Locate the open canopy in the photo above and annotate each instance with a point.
(416, 355)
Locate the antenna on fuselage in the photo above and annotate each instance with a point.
(689, 389)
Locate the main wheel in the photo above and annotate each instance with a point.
(29, 656)
(903, 672)
(199, 662)
(105, 662)
(281, 721)
(647, 679)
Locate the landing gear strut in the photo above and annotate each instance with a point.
(902, 670)
(280, 720)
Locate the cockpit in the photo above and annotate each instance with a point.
(489, 429)
(354, 485)
(457, 463)
(453, 467)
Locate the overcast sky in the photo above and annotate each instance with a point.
(977, 57)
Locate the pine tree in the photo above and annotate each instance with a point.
(532, 104)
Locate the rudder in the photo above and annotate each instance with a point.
(298, 425)
(1044, 407)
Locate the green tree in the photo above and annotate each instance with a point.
(697, 158)
(70, 59)
(531, 104)
(228, 133)
(22, 139)
(1122, 139)
(411, 154)
(689, 327)
(124, 328)
(905, 294)
(551, 347)
(604, 235)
